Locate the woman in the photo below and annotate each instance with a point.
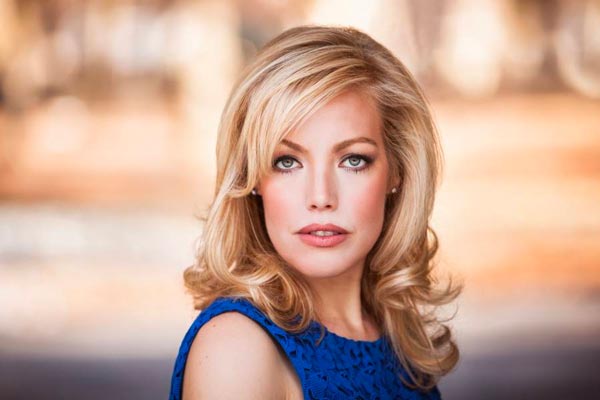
(315, 268)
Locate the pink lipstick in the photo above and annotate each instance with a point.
(319, 235)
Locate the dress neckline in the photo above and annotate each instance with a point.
(339, 338)
(316, 326)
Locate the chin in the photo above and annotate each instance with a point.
(320, 267)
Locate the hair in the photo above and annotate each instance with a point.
(291, 77)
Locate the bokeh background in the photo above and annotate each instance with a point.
(108, 117)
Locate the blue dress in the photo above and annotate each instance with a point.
(336, 368)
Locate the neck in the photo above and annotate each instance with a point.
(339, 306)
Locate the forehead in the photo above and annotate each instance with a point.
(349, 115)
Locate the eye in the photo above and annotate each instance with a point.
(286, 162)
(357, 163)
(354, 160)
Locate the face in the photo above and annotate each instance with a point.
(331, 170)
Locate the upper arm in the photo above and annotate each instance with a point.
(233, 357)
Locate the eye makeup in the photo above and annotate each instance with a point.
(368, 161)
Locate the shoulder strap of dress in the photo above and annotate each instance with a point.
(219, 306)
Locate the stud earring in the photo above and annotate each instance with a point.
(254, 192)
(394, 190)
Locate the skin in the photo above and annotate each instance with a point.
(348, 188)
(219, 365)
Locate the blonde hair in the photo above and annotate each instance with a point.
(292, 76)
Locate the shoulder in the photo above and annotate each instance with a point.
(233, 357)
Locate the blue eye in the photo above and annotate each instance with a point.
(355, 160)
(287, 162)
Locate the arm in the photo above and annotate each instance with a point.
(233, 357)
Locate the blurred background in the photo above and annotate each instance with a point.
(108, 117)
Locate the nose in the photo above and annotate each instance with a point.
(321, 191)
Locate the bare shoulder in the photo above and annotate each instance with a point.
(233, 357)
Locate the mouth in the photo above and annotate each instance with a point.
(323, 235)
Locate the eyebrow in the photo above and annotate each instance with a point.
(339, 146)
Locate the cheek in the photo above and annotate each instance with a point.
(277, 210)
(278, 207)
(368, 202)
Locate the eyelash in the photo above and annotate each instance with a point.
(368, 161)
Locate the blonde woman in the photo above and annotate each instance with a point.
(314, 273)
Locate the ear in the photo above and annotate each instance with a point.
(395, 183)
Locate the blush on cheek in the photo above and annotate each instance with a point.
(275, 208)
(369, 203)
(279, 208)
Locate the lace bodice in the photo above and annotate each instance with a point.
(335, 368)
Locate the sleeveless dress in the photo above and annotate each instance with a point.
(336, 368)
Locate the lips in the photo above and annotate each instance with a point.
(319, 227)
(340, 235)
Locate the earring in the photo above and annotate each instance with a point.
(394, 190)
(254, 192)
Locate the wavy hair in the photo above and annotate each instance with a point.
(292, 76)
